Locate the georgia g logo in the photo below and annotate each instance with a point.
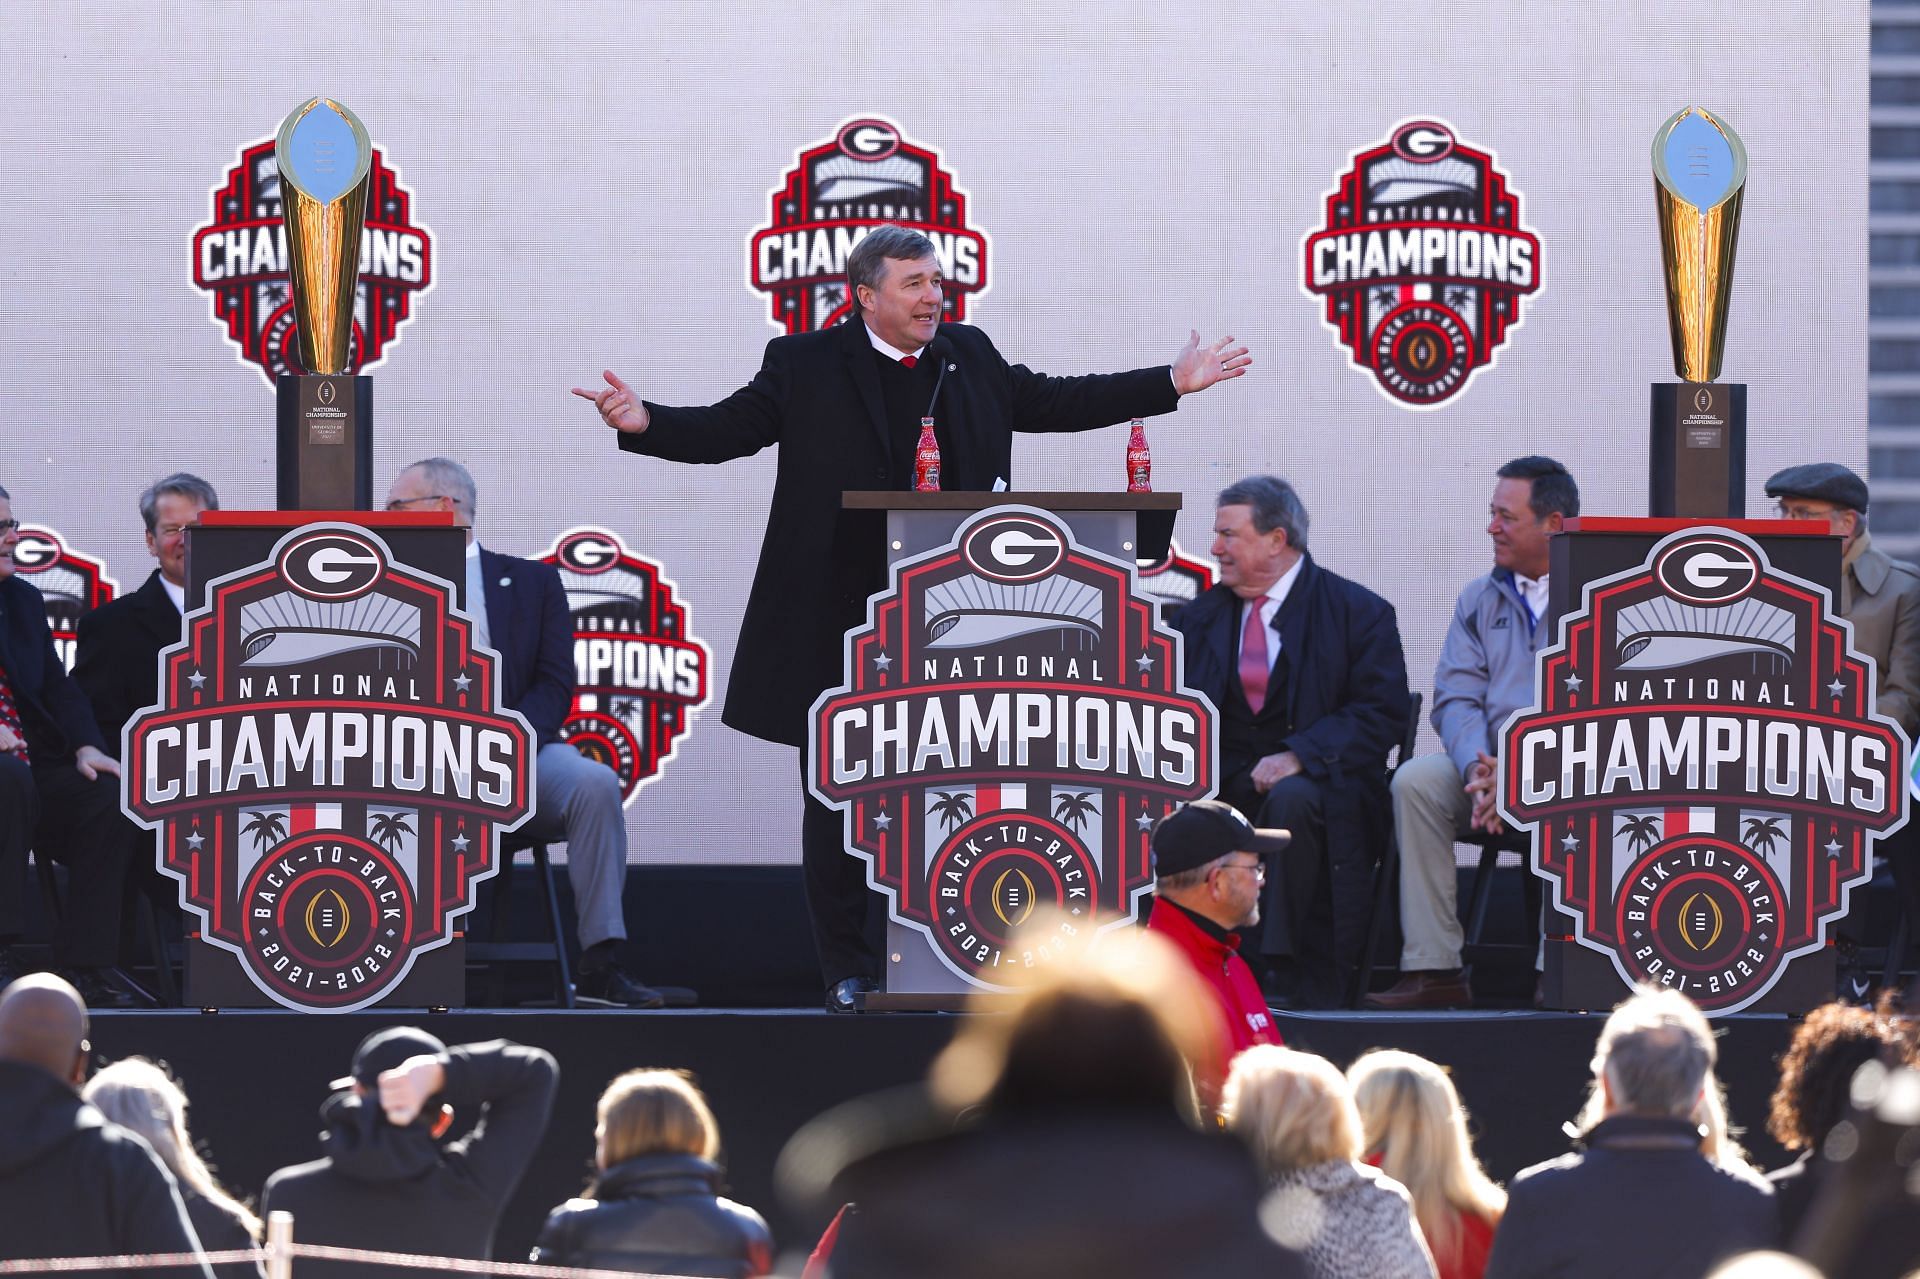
(331, 566)
(1707, 570)
(72, 584)
(1013, 548)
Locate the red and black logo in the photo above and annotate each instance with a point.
(1011, 724)
(640, 674)
(1422, 262)
(240, 257)
(1704, 769)
(1175, 581)
(72, 584)
(329, 768)
(838, 190)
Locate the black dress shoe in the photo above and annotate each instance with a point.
(843, 996)
(611, 986)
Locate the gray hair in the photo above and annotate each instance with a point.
(449, 479)
(1655, 1053)
(1181, 880)
(866, 262)
(1275, 506)
(179, 484)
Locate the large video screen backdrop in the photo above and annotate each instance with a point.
(566, 187)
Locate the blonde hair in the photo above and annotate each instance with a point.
(645, 1112)
(1414, 1123)
(1293, 1108)
(143, 1098)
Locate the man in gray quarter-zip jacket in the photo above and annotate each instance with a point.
(1484, 673)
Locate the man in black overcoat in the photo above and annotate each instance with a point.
(1306, 670)
(845, 405)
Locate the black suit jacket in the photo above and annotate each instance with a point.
(532, 628)
(817, 395)
(52, 708)
(117, 660)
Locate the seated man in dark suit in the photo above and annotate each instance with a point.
(1311, 684)
(59, 792)
(519, 609)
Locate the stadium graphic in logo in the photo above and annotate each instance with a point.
(72, 584)
(1011, 724)
(866, 174)
(640, 674)
(329, 769)
(240, 257)
(1704, 770)
(1175, 581)
(1422, 262)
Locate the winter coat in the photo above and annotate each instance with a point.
(1350, 1221)
(658, 1214)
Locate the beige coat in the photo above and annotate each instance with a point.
(1881, 597)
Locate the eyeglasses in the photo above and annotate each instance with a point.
(8, 526)
(1259, 869)
(170, 530)
(401, 503)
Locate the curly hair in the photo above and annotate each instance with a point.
(1832, 1043)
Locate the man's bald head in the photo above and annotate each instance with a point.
(43, 1023)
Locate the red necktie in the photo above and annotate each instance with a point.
(1253, 657)
(908, 361)
(10, 718)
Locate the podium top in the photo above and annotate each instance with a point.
(1666, 524)
(292, 519)
(975, 500)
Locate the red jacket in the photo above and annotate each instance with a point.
(1244, 1018)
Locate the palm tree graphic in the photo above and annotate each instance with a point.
(1761, 834)
(266, 828)
(953, 807)
(622, 708)
(1073, 808)
(1640, 831)
(389, 829)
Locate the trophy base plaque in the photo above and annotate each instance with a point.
(1699, 450)
(324, 449)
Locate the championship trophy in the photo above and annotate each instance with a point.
(1699, 437)
(325, 438)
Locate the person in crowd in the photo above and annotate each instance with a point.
(1347, 1218)
(1307, 671)
(1642, 1164)
(1833, 1042)
(1414, 1129)
(519, 608)
(1484, 674)
(1207, 876)
(655, 1206)
(1056, 1138)
(844, 405)
(71, 1183)
(59, 794)
(116, 656)
(387, 1180)
(144, 1099)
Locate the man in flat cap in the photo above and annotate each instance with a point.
(1881, 597)
(1209, 867)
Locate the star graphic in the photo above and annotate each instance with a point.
(1836, 688)
(1571, 842)
(1144, 662)
(882, 821)
(460, 843)
(1833, 846)
(1076, 910)
(882, 662)
(195, 840)
(1144, 822)
(1573, 682)
(952, 911)
(197, 680)
(462, 682)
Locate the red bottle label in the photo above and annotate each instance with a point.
(1139, 462)
(926, 460)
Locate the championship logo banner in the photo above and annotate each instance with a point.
(72, 584)
(1703, 770)
(329, 768)
(640, 674)
(867, 174)
(1422, 262)
(1011, 724)
(1174, 581)
(240, 257)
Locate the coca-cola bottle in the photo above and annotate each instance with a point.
(1139, 461)
(926, 460)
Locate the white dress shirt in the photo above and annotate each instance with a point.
(178, 594)
(477, 598)
(1534, 591)
(1269, 604)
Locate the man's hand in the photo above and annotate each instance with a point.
(405, 1088)
(92, 763)
(1274, 768)
(620, 408)
(1480, 779)
(1198, 367)
(10, 740)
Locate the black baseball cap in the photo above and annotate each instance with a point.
(1204, 831)
(385, 1049)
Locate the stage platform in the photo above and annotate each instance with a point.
(256, 1079)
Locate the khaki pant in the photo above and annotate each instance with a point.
(1430, 813)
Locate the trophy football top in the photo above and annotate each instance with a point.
(323, 150)
(1699, 158)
